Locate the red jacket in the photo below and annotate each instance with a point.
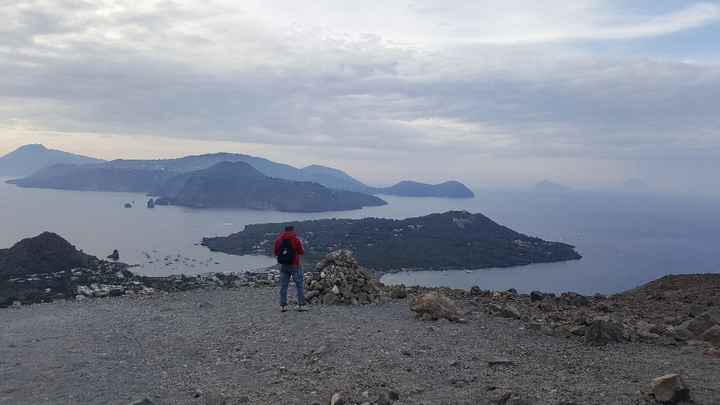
(296, 244)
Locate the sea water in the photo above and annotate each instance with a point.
(625, 239)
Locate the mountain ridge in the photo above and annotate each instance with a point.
(30, 158)
(408, 188)
(240, 185)
(326, 176)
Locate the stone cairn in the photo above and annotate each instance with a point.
(338, 279)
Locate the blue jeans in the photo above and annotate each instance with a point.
(297, 274)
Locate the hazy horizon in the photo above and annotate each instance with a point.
(494, 94)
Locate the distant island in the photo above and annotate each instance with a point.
(96, 177)
(223, 185)
(452, 189)
(28, 159)
(451, 240)
(239, 185)
(148, 175)
(551, 187)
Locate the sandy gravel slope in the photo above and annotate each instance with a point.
(184, 348)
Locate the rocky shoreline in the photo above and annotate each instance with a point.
(108, 279)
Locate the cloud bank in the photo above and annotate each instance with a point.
(484, 80)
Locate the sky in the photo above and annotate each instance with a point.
(588, 93)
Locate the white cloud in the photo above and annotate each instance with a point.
(427, 22)
(501, 79)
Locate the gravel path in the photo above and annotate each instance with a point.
(186, 348)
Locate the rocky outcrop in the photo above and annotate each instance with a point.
(43, 254)
(48, 268)
(674, 310)
(115, 255)
(339, 279)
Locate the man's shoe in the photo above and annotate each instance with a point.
(301, 308)
(283, 308)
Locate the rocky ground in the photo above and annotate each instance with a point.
(676, 310)
(233, 346)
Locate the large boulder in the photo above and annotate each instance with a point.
(669, 389)
(504, 310)
(574, 299)
(339, 279)
(337, 399)
(603, 331)
(434, 306)
(712, 335)
(536, 296)
(694, 328)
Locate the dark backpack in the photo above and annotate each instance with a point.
(287, 252)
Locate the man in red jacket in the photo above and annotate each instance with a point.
(288, 250)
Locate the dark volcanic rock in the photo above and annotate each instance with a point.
(452, 240)
(43, 254)
(115, 255)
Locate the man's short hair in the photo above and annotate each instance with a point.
(289, 228)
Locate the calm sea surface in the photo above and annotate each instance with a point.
(626, 239)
